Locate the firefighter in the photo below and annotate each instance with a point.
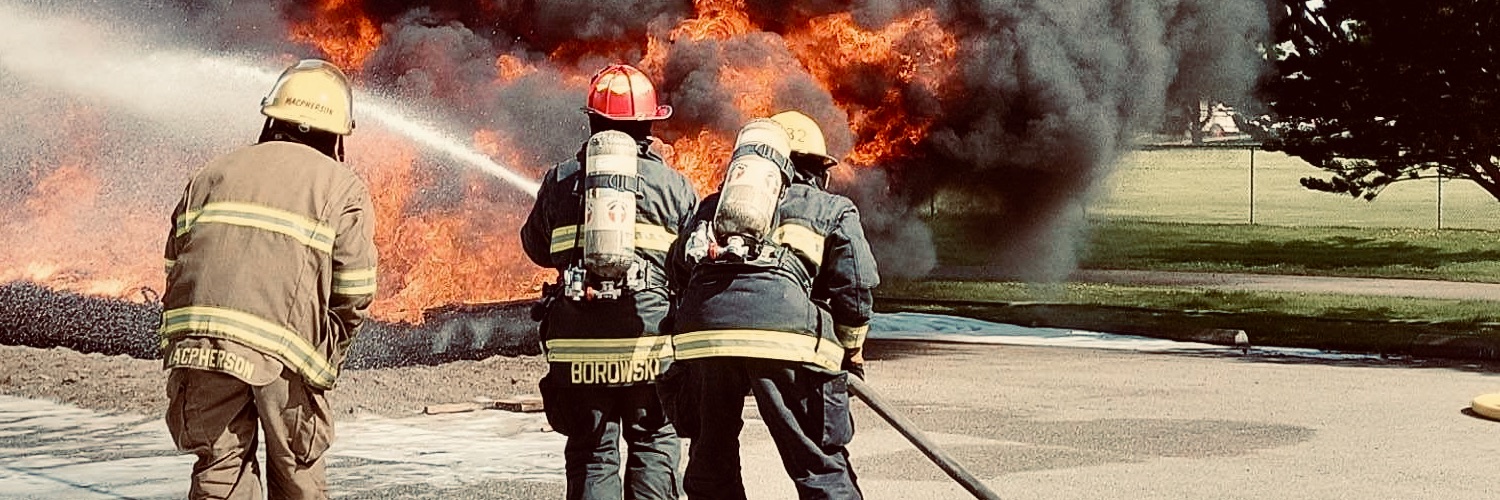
(776, 306)
(270, 272)
(604, 220)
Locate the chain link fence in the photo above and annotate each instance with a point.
(1244, 185)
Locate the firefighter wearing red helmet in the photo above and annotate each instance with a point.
(604, 220)
(621, 92)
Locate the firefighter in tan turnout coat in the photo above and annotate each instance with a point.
(270, 272)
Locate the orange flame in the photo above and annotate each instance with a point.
(463, 254)
(716, 19)
(60, 235)
(338, 28)
(915, 50)
(508, 68)
(701, 158)
(468, 251)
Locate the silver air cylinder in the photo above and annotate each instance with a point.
(752, 184)
(609, 204)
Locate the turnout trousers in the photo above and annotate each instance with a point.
(216, 417)
(596, 419)
(807, 412)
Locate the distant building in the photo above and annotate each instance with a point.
(1217, 119)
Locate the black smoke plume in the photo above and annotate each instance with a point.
(1042, 99)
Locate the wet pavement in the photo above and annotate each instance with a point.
(49, 450)
(1032, 422)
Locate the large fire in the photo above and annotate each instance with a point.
(467, 251)
(66, 190)
(338, 28)
(915, 50)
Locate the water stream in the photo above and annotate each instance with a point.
(197, 96)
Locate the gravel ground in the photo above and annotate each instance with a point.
(124, 384)
(57, 321)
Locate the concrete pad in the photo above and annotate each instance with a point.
(1032, 422)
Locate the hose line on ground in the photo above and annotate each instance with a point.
(920, 440)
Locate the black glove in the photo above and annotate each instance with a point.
(539, 309)
(854, 362)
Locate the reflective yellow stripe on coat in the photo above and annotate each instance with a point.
(590, 350)
(254, 332)
(309, 232)
(801, 239)
(765, 344)
(354, 282)
(647, 237)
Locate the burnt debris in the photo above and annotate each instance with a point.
(32, 315)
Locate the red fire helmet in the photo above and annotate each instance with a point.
(621, 92)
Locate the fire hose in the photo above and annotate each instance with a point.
(920, 440)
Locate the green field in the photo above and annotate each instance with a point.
(1332, 306)
(1448, 254)
(1180, 210)
(1212, 186)
(1188, 210)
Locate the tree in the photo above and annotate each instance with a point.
(1383, 91)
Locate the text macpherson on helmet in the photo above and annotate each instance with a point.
(313, 93)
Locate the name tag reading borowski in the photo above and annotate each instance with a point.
(614, 372)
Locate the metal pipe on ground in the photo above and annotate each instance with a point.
(920, 440)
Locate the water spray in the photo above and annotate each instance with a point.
(369, 106)
(101, 62)
(437, 140)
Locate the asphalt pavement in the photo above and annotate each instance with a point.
(1032, 422)
(1058, 423)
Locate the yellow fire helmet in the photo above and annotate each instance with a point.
(314, 93)
(806, 137)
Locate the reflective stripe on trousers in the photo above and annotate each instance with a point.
(764, 344)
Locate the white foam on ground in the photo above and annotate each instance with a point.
(943, 328)
(50, 450)
(454, 449)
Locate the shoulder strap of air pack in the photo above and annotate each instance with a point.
(763, 150)
(566, 169)
(630, 183)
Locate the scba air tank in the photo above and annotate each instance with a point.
(752, 184)
(609, 204)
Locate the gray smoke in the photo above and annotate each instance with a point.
(425, 57)
(1053, 93)
(1042, 100)
(623, 21)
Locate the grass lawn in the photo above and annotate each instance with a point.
(1187, 210)
(1212, 186)
(1358, 307)
(1448, 254)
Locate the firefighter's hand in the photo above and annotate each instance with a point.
(854, 362)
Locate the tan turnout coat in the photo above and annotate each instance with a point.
(270, 264)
